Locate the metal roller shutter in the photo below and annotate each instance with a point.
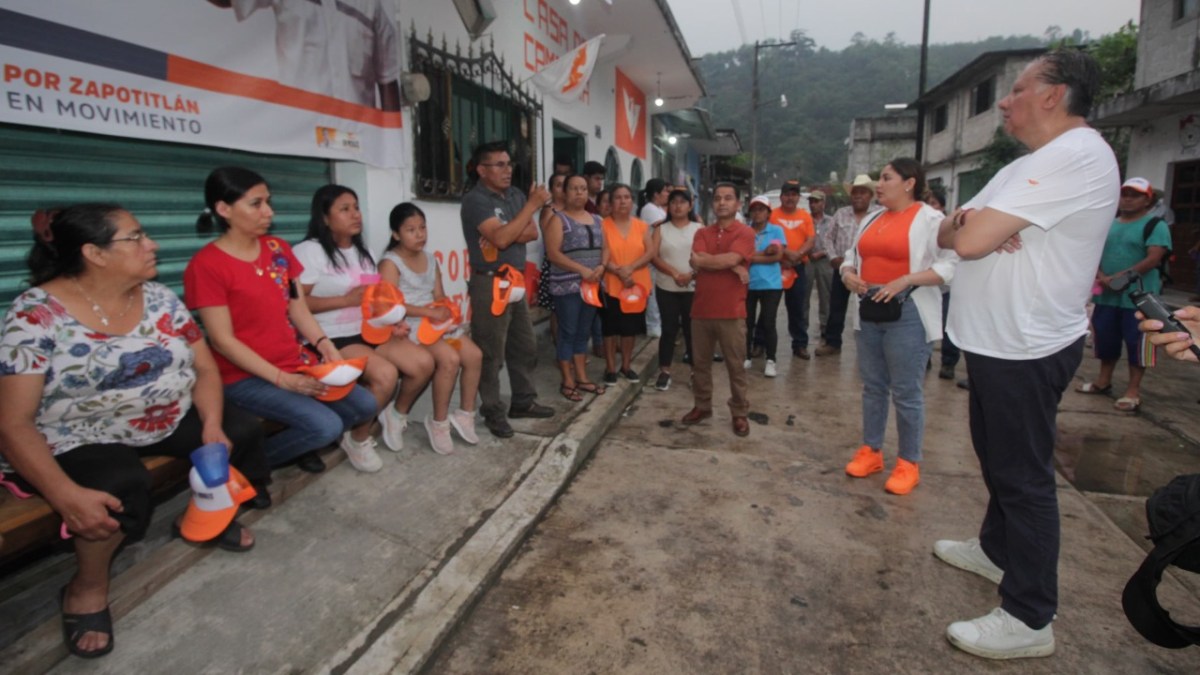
(160, 183)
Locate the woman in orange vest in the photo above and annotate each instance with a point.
(628, 250)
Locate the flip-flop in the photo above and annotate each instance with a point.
(230, 538)
(590, 388)
(1127, 404)
(75, 626)
(1091, 388)
(570, 393)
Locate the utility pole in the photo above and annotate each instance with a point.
(921, 86)
(754, 106)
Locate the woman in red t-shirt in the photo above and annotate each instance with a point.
(245, 286)
(895, 259)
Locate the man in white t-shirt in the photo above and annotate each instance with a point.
(1030, 243)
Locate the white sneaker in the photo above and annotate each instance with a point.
(361, 453)
(746, 364)
(1000, 635)
(439, 435)
(968, 555)
(770, 371)
(394, 423)
(463, 422)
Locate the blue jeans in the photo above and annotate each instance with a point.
(796, 300)
(311, 424)
(891, 358)
(575, 319)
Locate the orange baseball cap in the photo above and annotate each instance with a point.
(382, 308)
(338, 377)
(633, 299)
(789, 276)
(212, 509)
(429, 332)
(590, 290)
(508, 286)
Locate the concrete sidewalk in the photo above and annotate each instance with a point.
(355, 571)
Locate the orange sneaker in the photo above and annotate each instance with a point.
(904, 478)
(866, 462)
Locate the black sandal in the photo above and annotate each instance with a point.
(230, 538)
(590, 388)
(570, 393)
(75, 626)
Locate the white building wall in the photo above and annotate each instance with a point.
(516, 38)
(1154, 147)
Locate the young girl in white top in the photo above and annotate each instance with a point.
(337, 269)
(416, 274)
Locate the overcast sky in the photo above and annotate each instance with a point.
(715, 25)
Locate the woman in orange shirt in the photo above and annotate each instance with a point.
(628, 250)
(895, 259)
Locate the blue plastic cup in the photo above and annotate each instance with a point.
(212, 463)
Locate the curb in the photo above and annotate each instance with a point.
(408, 631)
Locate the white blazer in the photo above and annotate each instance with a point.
(923, 253)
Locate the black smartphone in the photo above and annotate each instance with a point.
(1152, 308)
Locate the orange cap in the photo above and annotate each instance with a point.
(633, 299)
(428, 332)
(212, 509)
(338, 377)
(382, 308)
(789, 276)
(508, 286)
(590, 290)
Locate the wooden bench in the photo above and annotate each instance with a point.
(30, 525)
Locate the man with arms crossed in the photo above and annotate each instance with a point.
(497, 222)
(721, 258)
(1030, 243)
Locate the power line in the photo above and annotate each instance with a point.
(737, 13)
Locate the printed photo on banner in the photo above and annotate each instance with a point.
(302, 77)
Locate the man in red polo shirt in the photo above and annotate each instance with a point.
(720, 262)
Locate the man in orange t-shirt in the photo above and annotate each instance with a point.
(798, 227)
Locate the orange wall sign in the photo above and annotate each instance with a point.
(631, 117)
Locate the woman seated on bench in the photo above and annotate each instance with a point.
(99, 367)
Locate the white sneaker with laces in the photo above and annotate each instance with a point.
(361, 453)
(747, 364)
(439, 435)
(968, 555)
(394, 423)
(1000, 635)
(770, 371)
(463, 422)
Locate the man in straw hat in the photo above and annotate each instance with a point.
(846, 222)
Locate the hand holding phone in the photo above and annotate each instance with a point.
(1152, 308)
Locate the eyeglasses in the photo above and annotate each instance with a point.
(136, 237)
(499, 165)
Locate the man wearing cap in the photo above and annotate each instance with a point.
(1030, 243)
(721, 255)
(497, 222)
(1136, 243)
(798, 228)
(820, 274)
(846, 222)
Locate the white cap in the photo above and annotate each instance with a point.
(761, 199)
(1140, 184)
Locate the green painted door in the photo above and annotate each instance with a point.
(160, 183)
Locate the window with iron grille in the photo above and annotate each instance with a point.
(473, 99)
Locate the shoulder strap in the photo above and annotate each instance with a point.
(1148, 229)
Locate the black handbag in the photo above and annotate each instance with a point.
(882, 312)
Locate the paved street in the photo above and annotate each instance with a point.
(688, 550)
